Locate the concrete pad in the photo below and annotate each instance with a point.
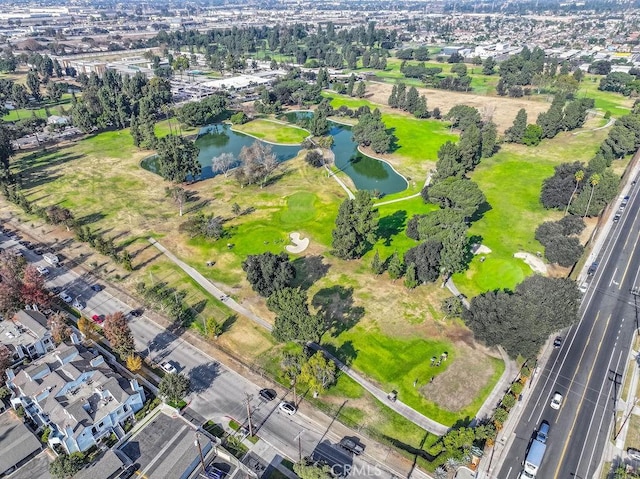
(536, 264)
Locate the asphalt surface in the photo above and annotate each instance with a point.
(218, 393)
(587, 369)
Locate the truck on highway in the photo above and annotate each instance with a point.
(534, 457)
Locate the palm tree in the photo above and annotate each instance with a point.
(441, 473)
(579, 176)
(593, 181)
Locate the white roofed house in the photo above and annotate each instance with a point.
(76, 394)
(26, 335)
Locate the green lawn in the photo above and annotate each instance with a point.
(273, 132)
(63, 107)
(511, 180)
(616, 103)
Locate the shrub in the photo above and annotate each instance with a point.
(239, 118)
(314, 158)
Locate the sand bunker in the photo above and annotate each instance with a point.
(299, 245)
(536, 263)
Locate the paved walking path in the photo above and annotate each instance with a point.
(398, 406)
(427, 182)
(402, 409)
(340, 182)
(211, 288)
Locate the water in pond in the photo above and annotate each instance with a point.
(366, 173)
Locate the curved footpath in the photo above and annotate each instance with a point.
(398, 406)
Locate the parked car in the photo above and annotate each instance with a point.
(97, 318)
(136, 313)
(42, 270)
(78, 304)
(616, 217)
(65, 297)
(592, 269)
(556, 402)
(625, 200)
(557, 342)
(168, 367)
(268, 394)
(38, 251)
(287, 408)
(97, 287)
(55, 290)
(351, 444)
(633, 454)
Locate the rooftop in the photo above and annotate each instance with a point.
(17, 442)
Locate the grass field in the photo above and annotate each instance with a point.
(515, 210)
(615, 103)
(62, 107)
(273, 132)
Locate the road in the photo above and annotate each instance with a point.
(218, 393)
(587, 370)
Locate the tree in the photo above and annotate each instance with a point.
(594, 180)
(371, 131)
(214, 328)
(425, 258)
(579, 176)
(33, 82)
(5, 361)
(532, 135)
(395, 266)
(174, 387)
(489, 134)
(411, 276)
(449, 161)
(515, 133)
(315, 158)
(309, 470)
(223, 163)
(134, 363)
(520, 321)
(117, 331)
(470, 147)
(356, 226)
(65, 466)
(177, 194)
(488, 66)
(59, 215)
(178, 159)
(268, 272)
(6, 148)
(351, 85)
(318, 373)
(377, 266)
(557, 190)
(33, 290)
(459, 194)
(87, 328)
(257, 163)
(11, 271)
(293, 321)
(565, 251)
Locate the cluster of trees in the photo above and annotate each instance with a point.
(421, 54)
(20, 285)
(208, 226)
(289, 90)
(477, 140)
(67, 465)
(202, 112)
(174, 387)
(356, 227)
(117, 331)
(167, 300)
(408, 100)
(623, 138)
(178, 159)
(621, 82)
(459, 81)
(268, 272)
(579, 189)
(257, 164)
(112, 100)
(454, 448)
(560, 241)
(520, 321)
(351, 88)
(229, 48)
(563, 116)
(371, 131)
(301, 366)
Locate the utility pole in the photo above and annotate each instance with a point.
(616, 377)
(626, 418)
(248, 399)
(298, 438)
(200, 451)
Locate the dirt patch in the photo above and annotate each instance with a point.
(461, 383)
(537, 265)
(504, 109)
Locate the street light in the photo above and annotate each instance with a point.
(197, 442)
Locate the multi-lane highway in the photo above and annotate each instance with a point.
(587, 370)
(218, 393)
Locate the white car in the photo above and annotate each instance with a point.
(287, 408)
(169, 368)
(42, 270)
(525, 475)
(65, 297)
(78, 304)
(556, 402)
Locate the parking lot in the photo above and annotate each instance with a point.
(166, 448)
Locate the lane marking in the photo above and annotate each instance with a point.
(575, 417)
(631, 257)
(613, 276)
(601, 418)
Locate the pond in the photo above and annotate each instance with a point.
(367, 173)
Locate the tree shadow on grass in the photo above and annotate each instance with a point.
(392, 225)
(480, 212)
(335, 304)
(346, 353)
(230, 321)
(90, 218)
(309, 269)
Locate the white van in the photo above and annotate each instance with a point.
(52, 259)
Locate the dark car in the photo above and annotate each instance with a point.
(352, 444)
(96, 287)
(136, 313)
(268, 394)
(56, 289)
(38, 251)
(557, 342)
(592, 269)
(24, 242)
(29, 245)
